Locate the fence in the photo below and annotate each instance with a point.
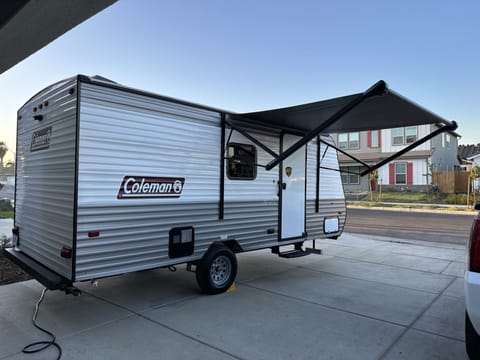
(450, 182)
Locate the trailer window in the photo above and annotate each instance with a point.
(241, 162)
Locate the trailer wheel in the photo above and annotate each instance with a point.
(217, 270)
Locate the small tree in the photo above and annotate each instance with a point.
(474, 175)
(3, 151)
(431, 188)
(372, 179)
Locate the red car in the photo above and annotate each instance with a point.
(472, 290)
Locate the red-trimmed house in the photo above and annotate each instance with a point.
(410, 171)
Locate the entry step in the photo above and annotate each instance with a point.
(293, 254)
(297, 251)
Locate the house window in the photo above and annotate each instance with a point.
(397, 136)
(375, 142)
(373, 139)
(447, 140)
(410, 134)
(402, 136)
(350, 175)
(400, 173)
(242, 159)
(349, 140)
(343, 141)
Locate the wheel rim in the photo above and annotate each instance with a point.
(220, 270)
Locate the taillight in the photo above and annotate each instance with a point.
(474, 245)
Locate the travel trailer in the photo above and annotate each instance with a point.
(112, 180)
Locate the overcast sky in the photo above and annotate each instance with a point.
(254, 55)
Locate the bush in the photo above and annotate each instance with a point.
(456, 199)
(6, 205)
(5, 242)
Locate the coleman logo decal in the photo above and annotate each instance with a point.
(141, 187)
(41, 139)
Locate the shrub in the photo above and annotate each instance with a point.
(456, 199)
(4, 242)
(5, 205)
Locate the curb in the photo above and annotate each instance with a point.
(407, 208)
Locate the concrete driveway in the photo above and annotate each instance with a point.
(364, 298)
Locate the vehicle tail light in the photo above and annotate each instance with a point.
(474, 245)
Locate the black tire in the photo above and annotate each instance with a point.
(217, 270)
(472, 339)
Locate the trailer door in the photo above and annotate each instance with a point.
(292, 178)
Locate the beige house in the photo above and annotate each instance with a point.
(411, 170)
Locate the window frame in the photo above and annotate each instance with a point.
(232, 159)
(348, 175)
(448, 140)
(341, 142)
(396, 173)
(347, 144)
(405, 138)
(375, 139)
(407, 141)
(350, 141)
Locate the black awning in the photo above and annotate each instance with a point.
(387, 110)
(376, 108)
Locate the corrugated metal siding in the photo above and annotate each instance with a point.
(46, 178)
(331, 195)
(136, 237)
(124, 134)
(265, 186)
(251, 206)
(249, 221)
(163, 139)
(128, 134)
(330, 180)
(327, 209)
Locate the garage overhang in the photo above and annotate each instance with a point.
(28, 25)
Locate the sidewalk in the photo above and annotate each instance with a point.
(395, 206)
(364, 298)
(6, 227)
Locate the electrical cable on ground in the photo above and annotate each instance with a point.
(41, 345)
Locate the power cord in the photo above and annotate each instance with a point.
(41, 345)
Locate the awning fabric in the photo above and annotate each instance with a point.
(376, 108)
(389, 110)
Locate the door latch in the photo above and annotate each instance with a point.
(281, 186)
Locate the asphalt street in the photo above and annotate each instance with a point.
(424, 226)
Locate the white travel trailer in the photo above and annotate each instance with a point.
(112, 180)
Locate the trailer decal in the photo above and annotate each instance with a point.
(41, 139)
(136, 187)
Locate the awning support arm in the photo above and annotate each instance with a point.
(345, 153)
(379, 88)
(451, 127)
(252, 139)
(340, 170)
